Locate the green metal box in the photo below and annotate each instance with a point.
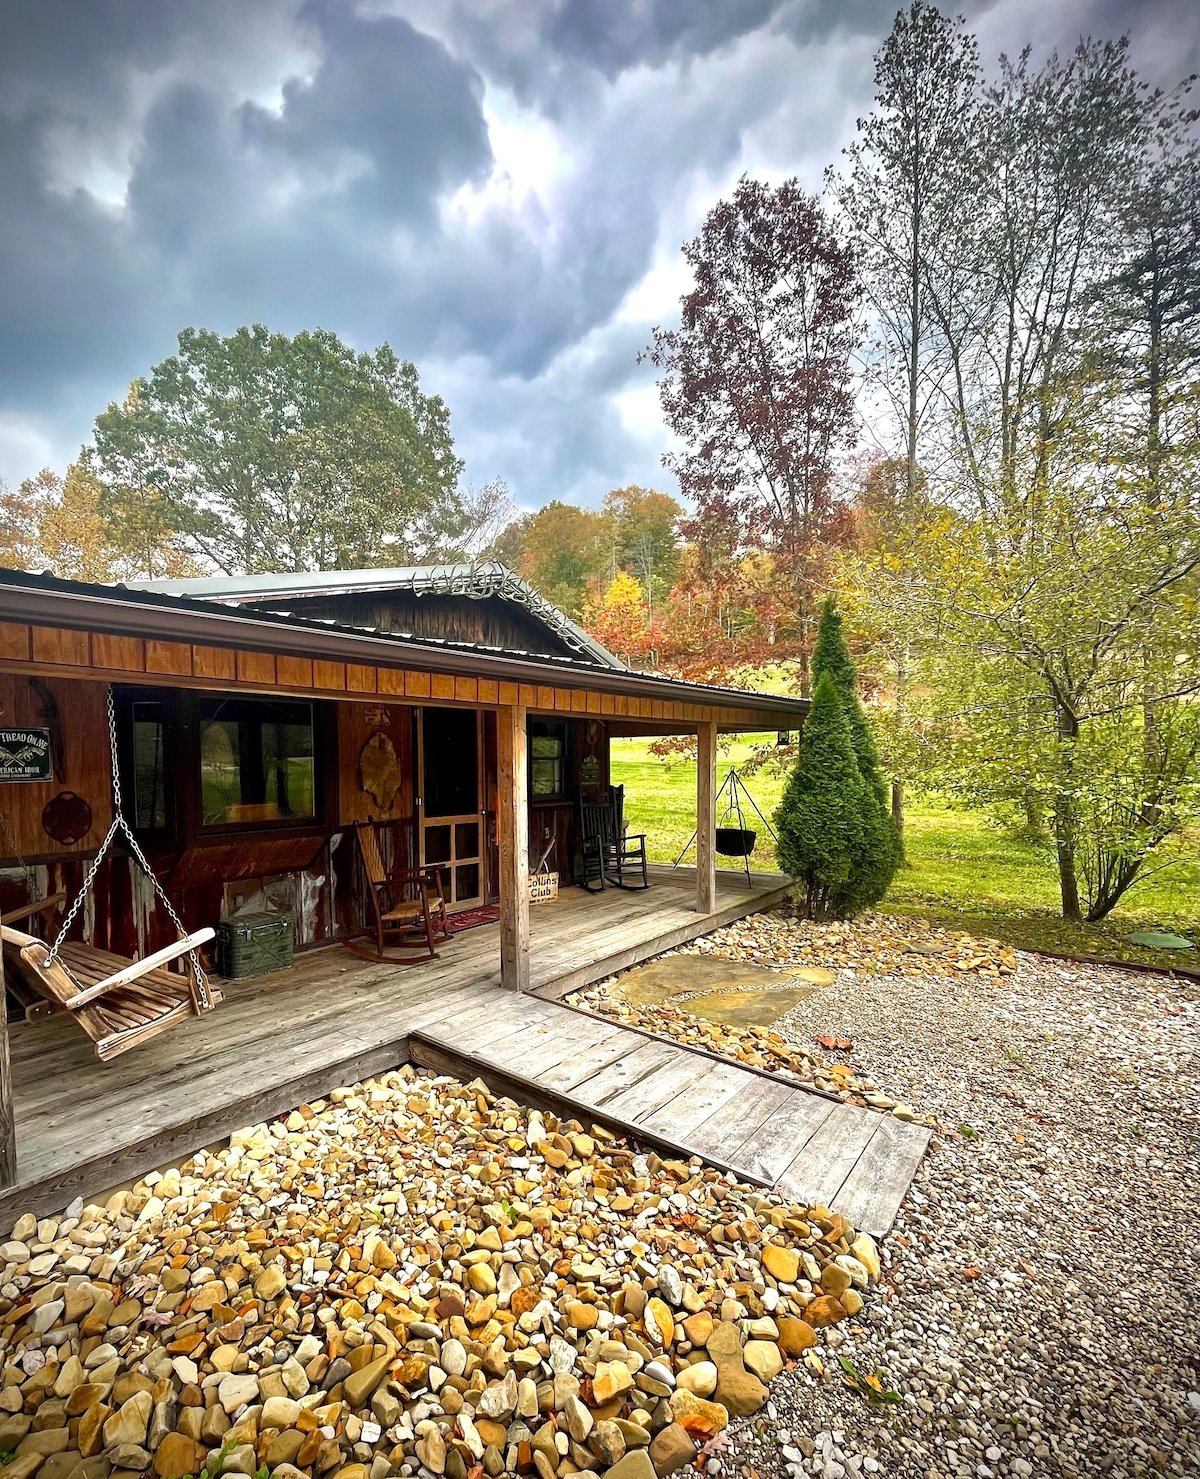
(253, 944)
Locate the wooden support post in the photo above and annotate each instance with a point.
(512, 748)
(706, 820)
(8, 1134)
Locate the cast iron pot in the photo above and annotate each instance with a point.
(735, 842)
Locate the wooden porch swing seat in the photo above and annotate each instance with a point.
(408, 903)
(118, 1003)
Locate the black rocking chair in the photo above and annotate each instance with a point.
(610, 854)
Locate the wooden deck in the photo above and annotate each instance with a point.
(276, 1041)
(809, 1147)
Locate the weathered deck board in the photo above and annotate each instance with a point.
(873, 1190)
(335, 1017)
(828, 1156)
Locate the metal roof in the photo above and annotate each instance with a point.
(475, 581)
(46, 600)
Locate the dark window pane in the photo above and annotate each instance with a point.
(466, 840)
(149, 785)
(437, 844)
(451, 780)
(257, 761)
(466, 882)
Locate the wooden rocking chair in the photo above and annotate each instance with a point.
(119, 1003)
(406, 902)
(609, 853)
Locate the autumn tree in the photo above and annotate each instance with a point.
(20, 515)
(645, 527)
(618, 616)
(756, 380)
(560, 550)
(268, 453)
(61, 525)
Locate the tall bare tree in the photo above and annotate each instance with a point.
(909, 175)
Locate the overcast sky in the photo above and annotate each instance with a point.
(499, 188)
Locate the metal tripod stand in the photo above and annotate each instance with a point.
(733, 788)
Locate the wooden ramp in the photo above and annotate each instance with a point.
(758, 1126)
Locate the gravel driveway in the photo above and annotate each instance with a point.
(1041, 1309)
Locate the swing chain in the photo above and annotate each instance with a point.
(119, 824)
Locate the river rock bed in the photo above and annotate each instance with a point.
(761, 1047)
(872, 943)
(412, 1277)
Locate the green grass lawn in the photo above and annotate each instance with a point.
(960, 871)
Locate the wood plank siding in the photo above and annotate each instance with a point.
(66, 653)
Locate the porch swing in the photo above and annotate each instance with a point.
(118, 1002)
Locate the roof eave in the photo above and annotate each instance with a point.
(180, 619)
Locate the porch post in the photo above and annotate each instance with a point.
(8, 1137)
(514, 848)
(706, 819)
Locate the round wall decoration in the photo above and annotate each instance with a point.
(67, 818)
(379, 770)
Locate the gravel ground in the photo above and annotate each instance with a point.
(1040, 1311)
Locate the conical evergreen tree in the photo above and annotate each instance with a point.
(884, 850)
(822, 819)
(831, 655)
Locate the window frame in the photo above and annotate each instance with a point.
(271, 825)
(551, 729)
(183, 800)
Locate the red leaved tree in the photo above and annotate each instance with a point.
(756, 383)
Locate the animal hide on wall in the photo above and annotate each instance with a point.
(379, 770)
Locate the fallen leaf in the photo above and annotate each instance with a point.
(972, 1272)
(839, 1044)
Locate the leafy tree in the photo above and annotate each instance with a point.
(269, 453)
(756, 380)
(20, 514)
(59, 524)
(619, 618)
(646, 537)
(821, 821)
(560, 550)
(1034, 605)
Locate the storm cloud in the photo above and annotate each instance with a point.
(498, 188)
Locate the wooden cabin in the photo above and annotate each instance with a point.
(258, 717)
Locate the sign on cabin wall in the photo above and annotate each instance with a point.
(25, 755)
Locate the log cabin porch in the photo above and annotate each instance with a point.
(333, 1018)
(247, 744)
(83, 1126)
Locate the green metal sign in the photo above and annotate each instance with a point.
(24, 754)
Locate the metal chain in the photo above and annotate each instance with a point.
(119, 824)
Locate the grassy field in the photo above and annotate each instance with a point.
(959, 870)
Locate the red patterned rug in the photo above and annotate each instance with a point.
(469, 918)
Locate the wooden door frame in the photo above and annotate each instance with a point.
(478, 817)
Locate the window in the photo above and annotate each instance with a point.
(547, 762)
(149, 799)
(256, 761)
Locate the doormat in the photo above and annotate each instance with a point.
(469, 918)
